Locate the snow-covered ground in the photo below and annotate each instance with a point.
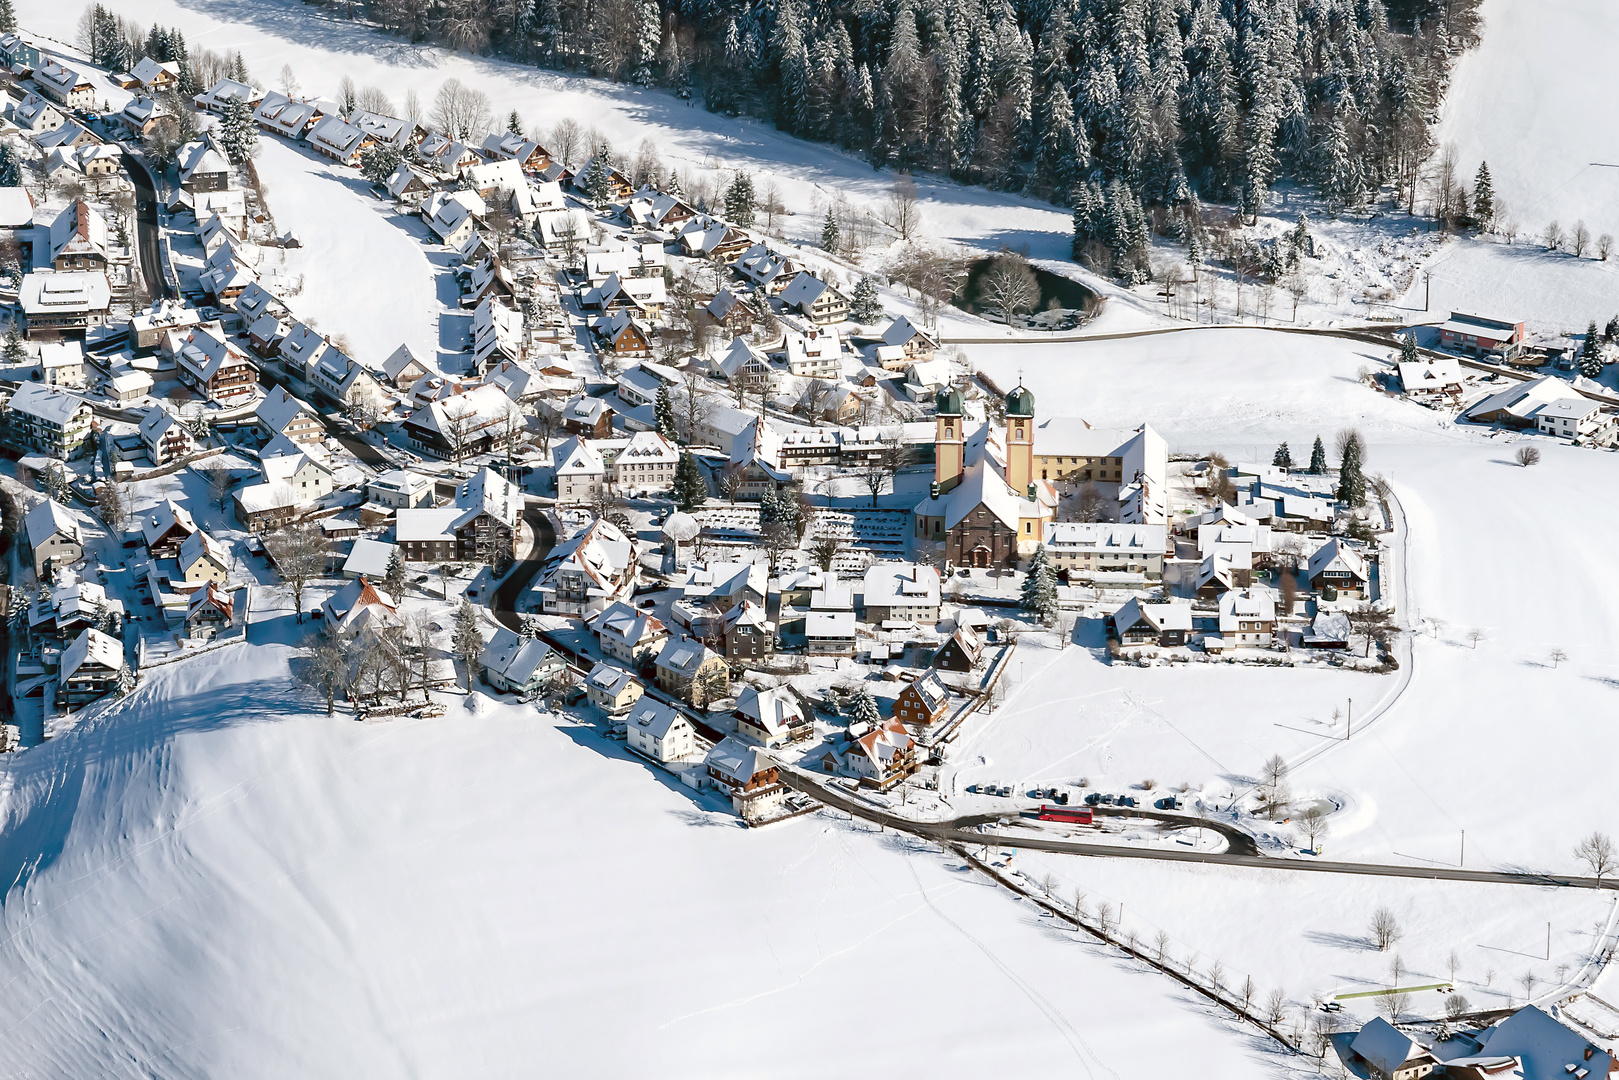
(1526, 101)
(213, 879)
(1553, 291)
(368, 273)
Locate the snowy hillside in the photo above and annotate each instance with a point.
(1525, 101)
(211, 880)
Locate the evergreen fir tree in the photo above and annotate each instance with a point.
(15, 352)
(468, 639)
(690, 490)
(378, 163)
(238, 69)
(514, 124)
(663, 411)
(1351, 481)
(739, 201)
(1483, 196)
(864, 708)
(1408, 349)
(8, 17)
(864, 304)
(1040, 586)
(10, 171)
(829, 231)
(649, 26)
(238, 134)
(394, 579)
(126, 680)
(1590, 363)
(1318, 458)
(1611, 331)
(185, 81)
(1283, 458)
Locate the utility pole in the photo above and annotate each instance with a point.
(1349, 721)
(1464, 849)
(1548, 941)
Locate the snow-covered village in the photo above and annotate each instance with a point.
(552, 537)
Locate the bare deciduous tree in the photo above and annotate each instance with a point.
(327, 668)
(1314, 823)
(1473, 637)
(1604, 246)
(1597, 853)
(1367, 620)
(1009, 285)
(299, 552)
(1385, 929)
(1528, 455)
(1552, 236)
(900, 212)
(1556, 656)
(1276, 1007)
(459, 111)
(1579, 240)
(566, 137)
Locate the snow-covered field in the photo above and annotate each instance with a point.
(367, 272)
(1551, 290)
(213, 879)
(1526, 101)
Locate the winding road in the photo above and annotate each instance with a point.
(503, 604)
(954, 831)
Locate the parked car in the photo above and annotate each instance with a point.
(1126, 800)
(1093, 799)
(1168, 803)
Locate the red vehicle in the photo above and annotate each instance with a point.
(1079, 815)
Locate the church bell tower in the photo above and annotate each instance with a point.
(949, 441)
(1020, 440)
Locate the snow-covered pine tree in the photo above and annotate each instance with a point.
(865, 306)
(1318, 458)
(1283, 458)
(690, 489)
(15, 351)
(10, 171)
(739, 201)
(238, 134)
(649, 35)
(1351, 481)
(378, 162)
(1039, 595)
(864, 708)
(829, 231)
(1590, 363)
(663, 411)
(1483, 196)
(1611, 331)
(468, 639)
(514, 124)
(8, 17)
(126, 680)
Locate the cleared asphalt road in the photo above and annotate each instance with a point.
(504, 603)
(950, 832)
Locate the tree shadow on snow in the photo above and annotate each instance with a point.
(1333, 940)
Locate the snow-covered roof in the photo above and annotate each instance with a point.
(772, 710)
(368, 558)
(653, 718)
(684, 656)
(738, 761)
(47, 403)
(48, 519)
(1335, 554)
(91, 647)
(1107, 536)
(829, 624)
(1386, 1047)
(901, 584)
(1521, 399)
(576, 457)
(199, 546)
(518, 658)
(16, 208)
(64, 292)
(609, 678)
(626, 625)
